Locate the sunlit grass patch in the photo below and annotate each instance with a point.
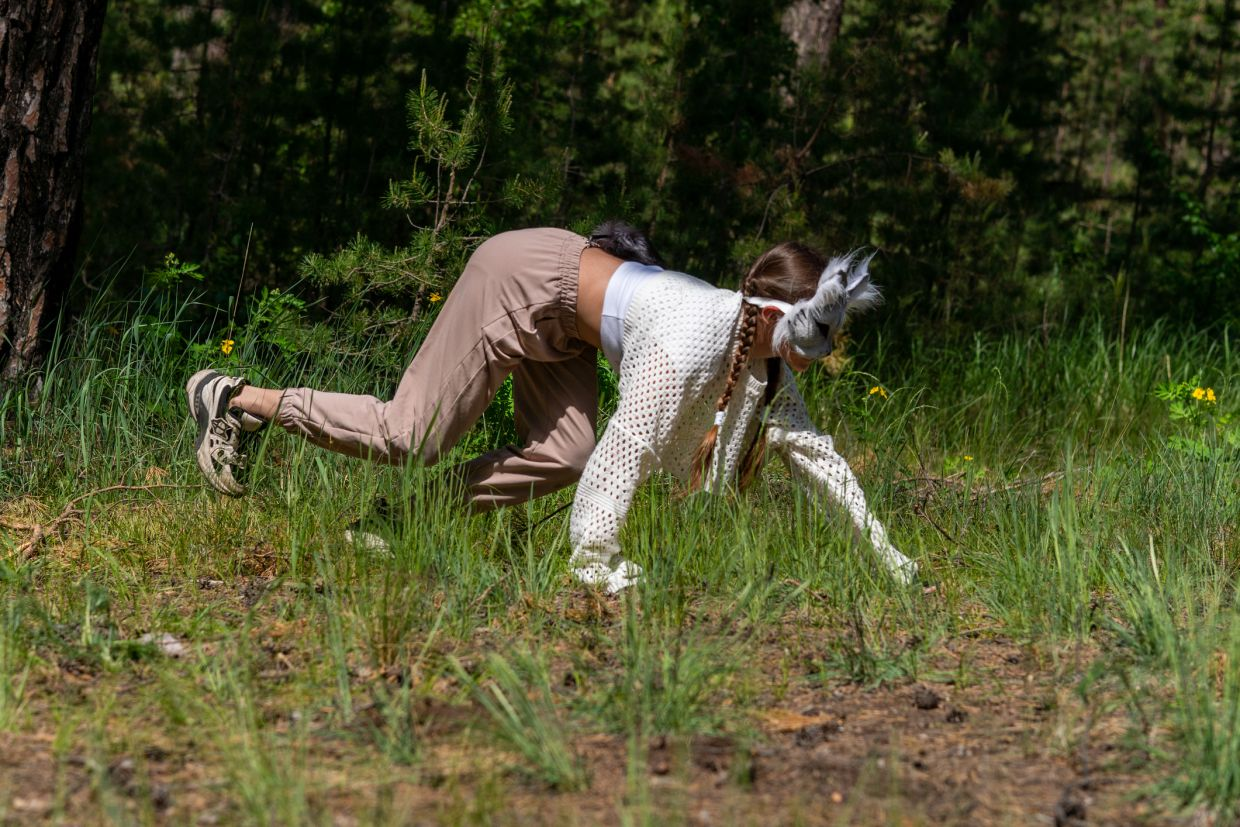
(1076, 567)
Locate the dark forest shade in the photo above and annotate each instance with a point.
(1011, 162)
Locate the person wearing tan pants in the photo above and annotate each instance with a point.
(515, 311)
(536, 304)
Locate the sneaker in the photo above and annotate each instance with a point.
(249, 422)
(366, 537)
(217, 448)
(371, 532)
(612, 580)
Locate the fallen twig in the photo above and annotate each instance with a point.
(805, 589)
(919, 509)
(477, 601)
(926, 485)
(39, 532)
(1044, 480)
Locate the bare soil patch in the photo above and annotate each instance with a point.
(1011, 746)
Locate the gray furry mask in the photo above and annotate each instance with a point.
(808, 327)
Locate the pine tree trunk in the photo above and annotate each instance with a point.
(48, 50)
(812, 26)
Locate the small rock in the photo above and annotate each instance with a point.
(32, 804)
(956, 716)
(165, 643)
(121, 772)
(658, 761)
(926, 698)
(1203, 816)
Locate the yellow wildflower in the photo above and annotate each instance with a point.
(435, 297)
(1199, 394)
(1210, 397)
(880, 390)
(968, 457)
(226, 346)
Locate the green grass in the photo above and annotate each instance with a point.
(461, 674)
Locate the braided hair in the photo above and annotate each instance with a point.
(788, 272)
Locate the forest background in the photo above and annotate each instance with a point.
(1012, 162)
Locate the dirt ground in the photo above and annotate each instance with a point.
(1013, 745)
(998, 736)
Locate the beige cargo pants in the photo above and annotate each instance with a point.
(513, 311)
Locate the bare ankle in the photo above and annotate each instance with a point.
(260, 402)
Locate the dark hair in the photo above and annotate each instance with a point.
(624, 241)
(789, 272)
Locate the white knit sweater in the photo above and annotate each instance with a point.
(679, 334)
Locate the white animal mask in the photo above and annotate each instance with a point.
(808, 327)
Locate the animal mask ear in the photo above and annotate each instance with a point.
(862, 294)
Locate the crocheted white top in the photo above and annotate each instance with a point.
(679, 335)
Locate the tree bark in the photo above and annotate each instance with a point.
(812, 26)
(1227, 19)
(48, 50)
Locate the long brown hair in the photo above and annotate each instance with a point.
(788, 272)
